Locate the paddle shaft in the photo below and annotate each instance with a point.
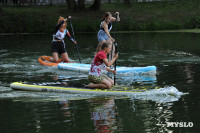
(115, 51)
(114, 38)
(115, 63)
(75, 39)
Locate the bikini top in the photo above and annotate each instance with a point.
(109, 26)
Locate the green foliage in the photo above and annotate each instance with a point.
(85, 26)
(196, 21)
(138, 17)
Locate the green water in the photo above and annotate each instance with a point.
(176, 56)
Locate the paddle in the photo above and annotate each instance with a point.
(75, 39)
(115, 51)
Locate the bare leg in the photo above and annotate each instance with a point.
(55, 57)
(112, 52)
(99, 86)
(102, 42)
(108, 41)
(65, 57)
(105, 84)
(111, 81)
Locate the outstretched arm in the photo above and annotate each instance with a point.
(70, 37)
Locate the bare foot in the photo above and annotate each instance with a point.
(51, 59)
(89, 85)
(64, 84)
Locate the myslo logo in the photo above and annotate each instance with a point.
(179, 124)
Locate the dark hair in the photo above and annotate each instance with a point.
(101, 47)
(104, 45)
(106, 15)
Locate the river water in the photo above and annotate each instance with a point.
(176, 56)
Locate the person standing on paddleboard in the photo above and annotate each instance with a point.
(105, 28)
(99, 63)
(58, 44)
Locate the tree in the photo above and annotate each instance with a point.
(71, 5)
(81, 5)
(127, 2)
(96, 6)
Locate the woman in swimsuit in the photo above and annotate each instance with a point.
(58, 44)
(105, 28)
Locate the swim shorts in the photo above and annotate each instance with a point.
(97, 79)
(58, 47)
(102, 36)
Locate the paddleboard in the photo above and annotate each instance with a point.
(46, 61)
(86, 67)
(79, 67)
(166, 94)
(117, 90)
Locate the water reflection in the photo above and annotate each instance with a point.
(189, 73)
(178, 74)
(176, 56)
(103, 114)
(109, 114)
(148, 116)
(65, 105)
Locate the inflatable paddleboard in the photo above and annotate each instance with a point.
(166, 94)
(46, 61)
(79, 67)
(86, 67)
(117, 90)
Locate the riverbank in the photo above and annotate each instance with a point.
(153, 16)
(166, 31)
(158, 31)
